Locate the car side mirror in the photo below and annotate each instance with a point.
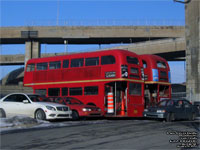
(25, 101)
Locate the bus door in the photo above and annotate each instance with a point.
(116, 98)
(135, 105)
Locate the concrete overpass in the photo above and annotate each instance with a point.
(34, 36)
(88, 34)
(170, 49)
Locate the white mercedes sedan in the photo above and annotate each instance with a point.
(32, 105)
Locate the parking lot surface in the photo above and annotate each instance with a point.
(108, 134)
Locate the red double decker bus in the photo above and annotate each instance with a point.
(157, 79)
(111, 80)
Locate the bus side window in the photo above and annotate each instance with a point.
(65, 63)
(54, 91)
(144, 64)
(65, 91)
(42, 66)
(41, 91)
(75, 91)
(132, 60)
(161, 64)
(55, 65)
(94, 61)
(105, 60)
(30, 67)
(77, 62)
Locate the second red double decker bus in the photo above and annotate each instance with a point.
(157, 79)
(111, 80)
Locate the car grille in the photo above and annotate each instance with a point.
(62, 108)
(96, 114)
(63, 115)
(94, 109)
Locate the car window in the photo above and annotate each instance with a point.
(11, 98)
(38, 98)
(58, 100)
(179, 103)
(162, 103)
(71, 100)
(170, 103)
(15, 98)
(186, 104)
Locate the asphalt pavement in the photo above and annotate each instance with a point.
(122, 134)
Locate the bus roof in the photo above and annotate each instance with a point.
(83, 55)
(150, 57)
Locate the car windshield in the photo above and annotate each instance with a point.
(71, 100)
(38, 98)
(162, 103)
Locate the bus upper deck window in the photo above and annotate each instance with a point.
(55, 65)
(161, 64)
(65, 63)
(144, 64)
(42, 66)
(132, 60)
(77, 62)
(30, 67)
(105, 60)
(94, 61)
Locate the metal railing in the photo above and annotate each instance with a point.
(105, 22)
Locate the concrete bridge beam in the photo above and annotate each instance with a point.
(33, 50)
(192, 17)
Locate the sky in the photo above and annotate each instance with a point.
(88, 12)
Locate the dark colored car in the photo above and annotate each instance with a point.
(172, 109)
(79, 109)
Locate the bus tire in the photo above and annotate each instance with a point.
(75, 115)
(40, 114)
(2, 113)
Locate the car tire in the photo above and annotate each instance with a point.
(40, 115)
(192, 117)
(75, 115)
(2, 113)
(170, 117)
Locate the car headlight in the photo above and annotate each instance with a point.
(50, 108)
(160, 111)
(145, 110)
(86, 109)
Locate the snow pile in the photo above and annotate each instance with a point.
(26, 123)
(19, 122)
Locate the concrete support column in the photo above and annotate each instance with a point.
(32, 50)
(192, 18)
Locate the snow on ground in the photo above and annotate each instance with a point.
(17, 123)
